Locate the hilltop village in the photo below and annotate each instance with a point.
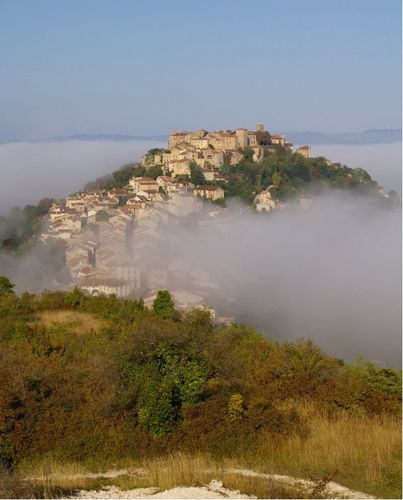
(110, 234)
(209, 150)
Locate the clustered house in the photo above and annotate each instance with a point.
(110, 233)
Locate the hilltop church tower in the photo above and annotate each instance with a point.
(259, 127)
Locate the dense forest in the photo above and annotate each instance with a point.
(98, 376)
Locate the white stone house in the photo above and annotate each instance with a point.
(209, 192)
(143, 184)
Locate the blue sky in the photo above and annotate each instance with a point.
(150, 66)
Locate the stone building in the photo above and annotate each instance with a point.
(144, 184)
(304, 151)
(211, 193)
(210, 149)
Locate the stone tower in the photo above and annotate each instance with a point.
(242, 137)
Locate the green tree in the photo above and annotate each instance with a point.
(164, 305)
(248, 154)
(44, 206)
(101, 216)
(193, 378)
(154, 171)
(158, 407)
(276, 179)
(156, 151)
(196, 174)
(139, 171)
(6, 287)
(121, 177)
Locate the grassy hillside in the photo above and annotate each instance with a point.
(98, 381)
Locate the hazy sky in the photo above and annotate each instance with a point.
(150, 66)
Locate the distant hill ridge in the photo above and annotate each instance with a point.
(370, 136)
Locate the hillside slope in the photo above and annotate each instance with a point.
(99, 379)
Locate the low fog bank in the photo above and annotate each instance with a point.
(331, 274)
(31, 171)
(382, 161)
(41, 268)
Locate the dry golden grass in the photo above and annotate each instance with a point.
(49, 476)
(359, 452)
(181, 469)
(265, 488)
(50, 466)
(77, 322)
(13, 485)
(164, 472)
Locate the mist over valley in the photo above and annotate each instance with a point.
(30, 171)
(330, 273)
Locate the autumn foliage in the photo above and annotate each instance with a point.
(85, 375)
